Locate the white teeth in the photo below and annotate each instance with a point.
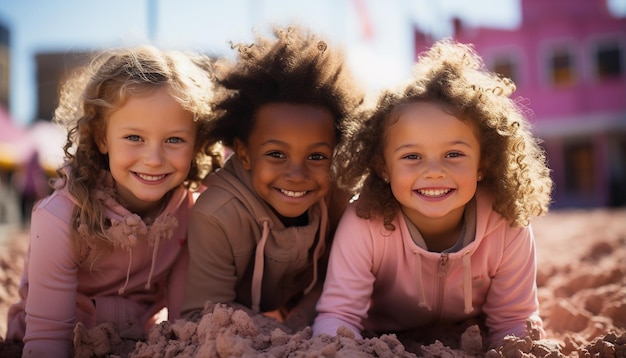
(151, 177)
(293, 194)
(434, 192)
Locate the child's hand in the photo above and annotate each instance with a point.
(303, 314)
(297, 320)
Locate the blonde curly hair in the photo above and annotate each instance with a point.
(452, 74)
(92, 93)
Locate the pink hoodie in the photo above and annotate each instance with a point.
(384, 282)
(144, 273)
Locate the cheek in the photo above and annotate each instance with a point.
(400, 174)
(185, 166)
(323, 180)
(471, 170)
(121, 156)
(319, 176)
(400, 184)
(184, 156)
(262, 174)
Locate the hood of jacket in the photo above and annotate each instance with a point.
(127, 228)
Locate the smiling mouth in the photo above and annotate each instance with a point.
(434, 193)
(147, 177)
(293, 194)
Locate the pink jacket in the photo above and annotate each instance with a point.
(383, 282)
(144, 273)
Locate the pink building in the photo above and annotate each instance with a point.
(568, 60)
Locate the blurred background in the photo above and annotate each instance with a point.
(567, 58)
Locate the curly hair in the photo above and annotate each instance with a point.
(295, 67)
(89, 97)
(452, 75)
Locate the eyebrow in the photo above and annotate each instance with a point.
(412, 145)
(404, 146)
(174, 131)
(281, 143)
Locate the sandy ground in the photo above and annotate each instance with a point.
(582, 293)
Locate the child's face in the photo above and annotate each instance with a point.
(432, 163)
(150, 142)
(289, 155)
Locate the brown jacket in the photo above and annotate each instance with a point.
(229, 226)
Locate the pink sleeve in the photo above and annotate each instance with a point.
(51, 300)
(512, 296)
(349, 281)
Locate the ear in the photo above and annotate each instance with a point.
(381, 169)
(241, 151)
(479, 175)
(102, 145)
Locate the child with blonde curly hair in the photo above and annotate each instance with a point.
(449, 176)
(109, 244)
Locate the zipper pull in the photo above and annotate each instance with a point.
(443, 264)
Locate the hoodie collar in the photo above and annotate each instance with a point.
(233, 178)
(468, 236)
(468, 232)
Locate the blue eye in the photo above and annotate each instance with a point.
(133, 138)
(174, 140)
(411, 157)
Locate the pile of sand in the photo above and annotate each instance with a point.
(582, 293)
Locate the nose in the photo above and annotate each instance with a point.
(434, 170)
(296, 171)
(153, 155)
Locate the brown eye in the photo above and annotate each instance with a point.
(277, 155)
(317, 156)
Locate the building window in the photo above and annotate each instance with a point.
(506, 67)
(561, 65)
(579, 168)
(608, 61)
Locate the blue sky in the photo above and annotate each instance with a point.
(209, 25)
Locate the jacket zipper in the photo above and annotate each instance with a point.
(442, 271)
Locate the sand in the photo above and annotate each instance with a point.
(582, 294)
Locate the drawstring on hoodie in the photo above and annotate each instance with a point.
(321, 243)
(154, 255)
(155, 251)
(160, 234)
(259, 261)
(130, 263)
(420, 286)
(259, 258)
(467, 282)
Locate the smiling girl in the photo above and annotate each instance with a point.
(439, 238)
(109, 244)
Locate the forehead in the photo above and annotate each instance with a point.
(293, 120)
(151, 111)
(430, 115)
